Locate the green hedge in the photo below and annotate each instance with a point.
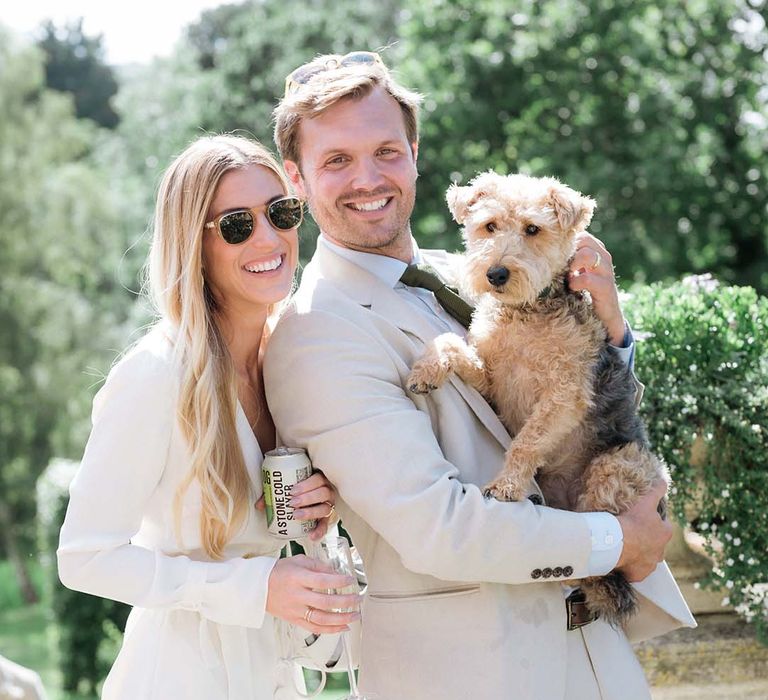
(702, 353)
(89, 628)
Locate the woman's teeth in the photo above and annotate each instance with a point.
(265, 266)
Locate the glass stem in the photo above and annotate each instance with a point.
(350, 671)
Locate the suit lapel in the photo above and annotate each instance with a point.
(371, 292)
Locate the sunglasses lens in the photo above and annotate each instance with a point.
(285, 214)
(236, 227)
(359, 57)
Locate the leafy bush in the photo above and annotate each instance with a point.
(89, 628)
(703, 354)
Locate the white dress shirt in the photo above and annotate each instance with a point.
(607, 536)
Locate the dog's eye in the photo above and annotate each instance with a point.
(490, 226)
(531, 230)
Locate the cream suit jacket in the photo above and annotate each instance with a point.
(452, 609)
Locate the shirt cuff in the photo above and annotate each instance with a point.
(626, 351)
(607, 543)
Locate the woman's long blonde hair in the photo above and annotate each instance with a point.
(207, 405)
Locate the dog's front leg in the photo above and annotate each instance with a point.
(445, 354)
(551, 421)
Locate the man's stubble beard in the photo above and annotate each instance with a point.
(397, 234)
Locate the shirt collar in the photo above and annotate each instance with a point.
(388, 270)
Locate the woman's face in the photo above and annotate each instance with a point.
(248, 277)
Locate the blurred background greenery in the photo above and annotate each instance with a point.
(656, 109)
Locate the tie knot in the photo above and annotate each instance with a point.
(422, 276)
(425, 277)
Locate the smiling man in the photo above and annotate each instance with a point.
(466, 596)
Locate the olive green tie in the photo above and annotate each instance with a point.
(425, 277)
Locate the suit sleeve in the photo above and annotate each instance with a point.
(334, 390)
(133, 421)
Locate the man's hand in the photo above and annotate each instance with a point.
(645, 535)
(592, 270)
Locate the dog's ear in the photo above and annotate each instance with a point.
(573, 210)
(460, 199)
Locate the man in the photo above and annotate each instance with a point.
(465, 595)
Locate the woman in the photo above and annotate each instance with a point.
(162, 513)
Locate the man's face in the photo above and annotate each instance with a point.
(358, 174)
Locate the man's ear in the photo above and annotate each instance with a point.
(294, 175)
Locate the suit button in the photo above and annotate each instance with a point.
(567, 570)
(557, 571)
(547, 573)
(536, 499)
(536, 573)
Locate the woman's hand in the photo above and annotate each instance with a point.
(314, 498)
(295, 594)
(592, 270)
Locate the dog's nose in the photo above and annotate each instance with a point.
(497, 276)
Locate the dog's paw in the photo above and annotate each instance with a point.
(425, 377)
(505, 489)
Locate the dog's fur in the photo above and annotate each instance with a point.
(539, 354)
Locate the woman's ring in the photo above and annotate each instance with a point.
(308, 614)
(332, 510)
(598, 260)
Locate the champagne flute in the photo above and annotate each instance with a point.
(335, 551)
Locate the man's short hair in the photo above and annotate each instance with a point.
(334, 82)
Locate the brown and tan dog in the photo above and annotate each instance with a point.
(539, 354)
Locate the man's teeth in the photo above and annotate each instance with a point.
(265, 266)
(370, 206)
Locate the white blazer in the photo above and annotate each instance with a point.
(453, 610)
(198, 630)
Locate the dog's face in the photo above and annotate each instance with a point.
(519, 232)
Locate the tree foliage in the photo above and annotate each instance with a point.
(74, 63)
(656, 110)
(62, 306)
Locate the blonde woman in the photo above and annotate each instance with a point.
(164, 511)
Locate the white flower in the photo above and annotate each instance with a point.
(737, 541)
(729, 584)
(725, 493)
(729, 562)
(734, 524)
(725, 601)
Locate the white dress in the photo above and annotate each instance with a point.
(198, 629)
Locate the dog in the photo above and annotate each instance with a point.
(539, 354)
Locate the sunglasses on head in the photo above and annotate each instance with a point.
(237, 226)
(303, 74)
